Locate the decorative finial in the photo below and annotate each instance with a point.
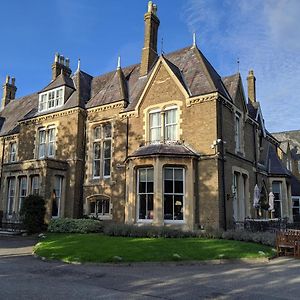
(238, 64)
(78, 65)
(194, 39)
(119, 63)
(162, 46)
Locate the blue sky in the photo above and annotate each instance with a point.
(264, 35)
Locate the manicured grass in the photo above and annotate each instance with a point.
(100, 248)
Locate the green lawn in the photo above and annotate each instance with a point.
(100, 248)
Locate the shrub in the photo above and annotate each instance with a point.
(75, 225)
(33, 213)
(149, 231)
(265, 238)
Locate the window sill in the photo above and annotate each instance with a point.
(145, 221)
(174, 221)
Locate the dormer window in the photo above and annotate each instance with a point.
(51, 99)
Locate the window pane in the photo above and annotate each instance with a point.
(107, 131)
(178, 174)
(168, 207)
(107, 149)
(169, 173)
(35, 185)
(96, 168)
(277, 208)
(97, 151)
(276, 187)
(11, 195)
(142, 187)
(142, 175)
(168, 186)
(142, 206)
(155, 119)
(296, 202)
(178, 185)
(97, 133)
(178, 208)
(106, 171)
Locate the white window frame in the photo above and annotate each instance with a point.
(146, 193)
(51, 99)
(22, 192)
(10, 196)
(297, 198)
(238, 132)
(47, 143)
(166, 221)
(280, 196)
(58, 194)
(13, 152)
(163, 125)
(35, 184)
(102, 141)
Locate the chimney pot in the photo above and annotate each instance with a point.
(7, 79)
(13, 80)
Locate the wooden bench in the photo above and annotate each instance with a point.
(288, 243)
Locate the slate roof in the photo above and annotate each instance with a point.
(189, 65)
(293, 137)
(275, 166)
(232, 83)
(15, 111)
(164, 149)
(60, 80)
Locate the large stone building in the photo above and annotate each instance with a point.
(165, 141)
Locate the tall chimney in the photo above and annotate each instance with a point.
(251, 86)
(149, 53)
(60, 65)
(9, 91)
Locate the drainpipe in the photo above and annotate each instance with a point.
(2, 161)
(223, 165)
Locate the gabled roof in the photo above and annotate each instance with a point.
(60, 80)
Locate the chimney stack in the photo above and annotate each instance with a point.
(9, 91)
(251, 87)
(149, 53)
(60, 65)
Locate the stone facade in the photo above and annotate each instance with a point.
(164, 142)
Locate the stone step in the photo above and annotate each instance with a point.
(5, 232)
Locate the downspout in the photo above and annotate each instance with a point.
(223, 165)
(2, 162)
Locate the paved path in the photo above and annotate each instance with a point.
(25, 277)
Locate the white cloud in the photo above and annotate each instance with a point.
(265, 36)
